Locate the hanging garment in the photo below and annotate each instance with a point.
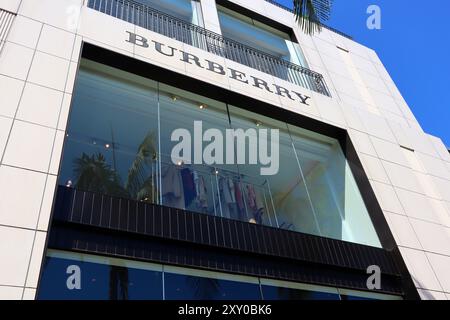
(201, 191)
(231, 190)
(255, 204)
(188, 186)
(227, 188)
(258, 200)
(196, 177)
(258, 215)
(172, 187)
(239, 200)
(251, 198)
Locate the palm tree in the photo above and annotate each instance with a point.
(139, 184)
(92, 173)
(310, 14)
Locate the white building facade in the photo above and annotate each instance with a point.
(77, 75)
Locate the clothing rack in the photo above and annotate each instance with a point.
(216, 203)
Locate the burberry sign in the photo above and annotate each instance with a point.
(215, 67)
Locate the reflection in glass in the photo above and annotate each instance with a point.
(101, 279)
(118, 283)
(120, 142)
(104, 278)
(282, 293)
(188, 287)
(111, 144)
(337, 203)
(190, 184)
(259, 35)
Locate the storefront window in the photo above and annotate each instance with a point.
(337, 203)
(71, 276)
(281, 200)
(74, 276)
(190, 183)
(112, 138)
(125, 136)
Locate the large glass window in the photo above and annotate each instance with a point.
(260, 36)
(71, 276)
(74, 276)
(124, 139)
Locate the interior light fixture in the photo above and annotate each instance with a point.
(258, 123)
(202, 106)
(107, 146)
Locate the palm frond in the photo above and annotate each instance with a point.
(137, 174)
(310, 14)
(94, 174)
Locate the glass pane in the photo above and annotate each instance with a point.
(131, 137)
(98, 281)
(182, 9)
(259, 36)
(189, 178)
(198, 287)
(112, 137)
(355, 298)
(347, 294)
(338, 206)
(282, 196)
(281, 293)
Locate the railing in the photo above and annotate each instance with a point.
(6, 20)
(322, 24)
(175, 28)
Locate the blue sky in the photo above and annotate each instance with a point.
(414, 46)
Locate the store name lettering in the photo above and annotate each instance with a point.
(215, 67)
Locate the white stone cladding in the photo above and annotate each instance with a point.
(37, 74)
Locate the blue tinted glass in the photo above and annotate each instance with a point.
(183, 287)
(355, 298)
(111, 142)
(98, 282)
(280, 293)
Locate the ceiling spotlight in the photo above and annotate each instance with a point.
(202, 106)
(216, 171)
(107, 146)
(174, 98)
(258, 123)
(179, 163)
